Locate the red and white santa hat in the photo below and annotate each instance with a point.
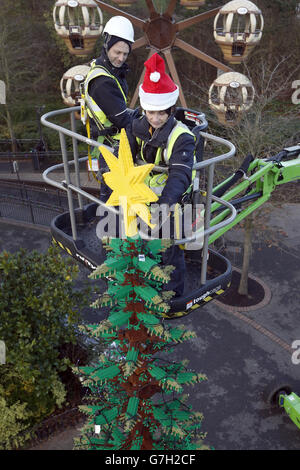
(158, 91)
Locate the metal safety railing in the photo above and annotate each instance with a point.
(67, 186)
(28, 211)
(31, 204)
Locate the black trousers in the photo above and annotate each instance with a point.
(175, 256)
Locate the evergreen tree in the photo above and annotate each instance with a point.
(137, 393)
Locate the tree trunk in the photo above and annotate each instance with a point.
(243, 287)
(14, 147)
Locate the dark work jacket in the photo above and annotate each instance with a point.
(105, 91)
(181, 160)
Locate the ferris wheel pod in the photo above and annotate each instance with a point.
(236, 52)
(79, 23)
(192, 4)
(70, 85)
(229, 96)
(229, 118)
(238, 29)
(78, 45)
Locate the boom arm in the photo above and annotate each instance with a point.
(264, 176)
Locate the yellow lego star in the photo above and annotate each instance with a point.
(128, 186)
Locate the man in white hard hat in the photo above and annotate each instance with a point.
(158, 137)
(105, 87)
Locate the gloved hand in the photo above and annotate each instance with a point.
(134, 113)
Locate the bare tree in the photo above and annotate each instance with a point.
(25, 61)
(271, 123)
(5, 76)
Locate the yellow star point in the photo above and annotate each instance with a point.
(128, 185)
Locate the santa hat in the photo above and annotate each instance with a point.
(158, 91)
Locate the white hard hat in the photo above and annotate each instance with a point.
(121, 27)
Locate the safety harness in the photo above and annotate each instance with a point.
(90, 110)
(157, 182)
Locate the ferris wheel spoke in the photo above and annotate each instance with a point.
(151, 8)
(172, 68)
(201, 55)
(196, 19)
(136, 21)
(171, 7)
(139, 43)
(136, 93)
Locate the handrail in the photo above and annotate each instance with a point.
(63, 185)
(56, 127)
(69, 187)
(80, 191)
(94, 143)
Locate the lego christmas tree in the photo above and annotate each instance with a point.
(137, 394)
(133, 403)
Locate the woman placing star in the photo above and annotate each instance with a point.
(157, 138)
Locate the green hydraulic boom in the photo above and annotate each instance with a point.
(260, 180)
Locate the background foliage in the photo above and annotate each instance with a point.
(39, 312)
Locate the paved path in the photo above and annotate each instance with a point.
(241, 352)
(86, 178)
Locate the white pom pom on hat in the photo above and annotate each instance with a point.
(158, 91)
(155, 77)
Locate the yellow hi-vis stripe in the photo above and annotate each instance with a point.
(177, 220)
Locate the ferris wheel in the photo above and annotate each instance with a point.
(237, 29)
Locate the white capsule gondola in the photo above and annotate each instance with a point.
(238, 29)
(230, 95)
(70, 85)
(79, 23)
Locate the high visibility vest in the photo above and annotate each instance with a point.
(92, 108)
(157, 182)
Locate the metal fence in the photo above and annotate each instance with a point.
(27, 191)
(26, 203)
(33, 160)
(27, 211)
